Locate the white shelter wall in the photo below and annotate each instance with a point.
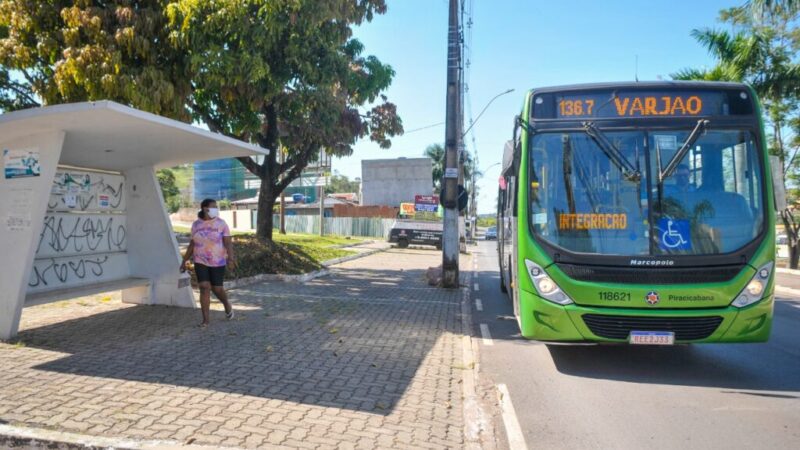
(152, 248)
(23, 203)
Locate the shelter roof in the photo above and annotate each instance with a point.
(110, 136)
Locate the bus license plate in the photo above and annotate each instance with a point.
(651, 338)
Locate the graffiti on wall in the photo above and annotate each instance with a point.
(73, 234)
(49, 273)
(83, 239)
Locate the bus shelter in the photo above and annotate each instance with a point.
(81, 210)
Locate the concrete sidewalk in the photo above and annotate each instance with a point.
(368, 357)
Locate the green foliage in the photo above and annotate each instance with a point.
(184, 175)
(244, 68)
(173, 204)
(487, 221)
(341, 184)
(436, 152)
(761, 49)
(171, 193)
(67, 51)
(166, 178)
(259, 66)
(291, 254)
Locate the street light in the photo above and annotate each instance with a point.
(484, 110)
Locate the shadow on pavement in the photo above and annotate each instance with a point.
(731, 366)
(354, 341)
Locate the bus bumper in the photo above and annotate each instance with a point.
(547, 321)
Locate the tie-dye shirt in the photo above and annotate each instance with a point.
(208, 246)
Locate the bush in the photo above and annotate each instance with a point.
(257, 257)
(174, 204)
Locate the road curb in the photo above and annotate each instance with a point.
(302, 278)
(333, 262)
(478, 429)
(788, 271)
(38, 438)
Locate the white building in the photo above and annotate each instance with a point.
(389, 182)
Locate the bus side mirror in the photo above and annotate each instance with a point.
(778, 186)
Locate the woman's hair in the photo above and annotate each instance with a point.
(204, 204)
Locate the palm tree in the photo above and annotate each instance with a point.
(436, 153)
(761, 53)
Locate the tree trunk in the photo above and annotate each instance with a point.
(791, 228)
(266, 203)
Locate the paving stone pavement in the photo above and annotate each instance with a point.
(368, 357)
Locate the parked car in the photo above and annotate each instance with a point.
(491, 234)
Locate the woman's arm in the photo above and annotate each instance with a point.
(228, 243)
(187, 255)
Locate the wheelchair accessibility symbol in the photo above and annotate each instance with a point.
(675, 234)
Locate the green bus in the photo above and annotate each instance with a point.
(639, 213)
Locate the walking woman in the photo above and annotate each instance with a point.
(212, 250)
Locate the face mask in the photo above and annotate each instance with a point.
(213, 213)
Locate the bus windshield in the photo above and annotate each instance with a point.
(631, 193)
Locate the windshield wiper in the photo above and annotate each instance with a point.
(629, 171)
(699, 130)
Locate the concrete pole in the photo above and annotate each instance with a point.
(283, 204)
(321, 197)
(450, 250)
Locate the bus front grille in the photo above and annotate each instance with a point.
(619, 327)
(639, 275)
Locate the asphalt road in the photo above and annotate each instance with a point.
(623, 397)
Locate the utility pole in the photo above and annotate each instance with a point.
(450, 245)
(321, 195)
(282, 229)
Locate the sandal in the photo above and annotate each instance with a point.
(229, 315)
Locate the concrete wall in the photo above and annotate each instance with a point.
(57, 239)
(389, 182)
(83, 239)
(23, 203)
(152, 248)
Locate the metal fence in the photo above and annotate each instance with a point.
(342, 226)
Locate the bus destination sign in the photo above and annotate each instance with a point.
(633, 104)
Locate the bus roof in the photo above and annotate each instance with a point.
(643, 85)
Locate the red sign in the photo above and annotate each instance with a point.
(426, 199)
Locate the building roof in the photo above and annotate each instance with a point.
(110, 136)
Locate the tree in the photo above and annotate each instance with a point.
(436, 153)
(68, 51)
(285, 73)
(169, 189)
(761, 50)
(278, 73)
(341, 184)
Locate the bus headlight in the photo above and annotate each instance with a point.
(545, 286)
(755, 288)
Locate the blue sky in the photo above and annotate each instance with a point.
(522, 44)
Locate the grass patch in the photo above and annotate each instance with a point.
(292, 254)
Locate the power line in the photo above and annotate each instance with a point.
(423, 128)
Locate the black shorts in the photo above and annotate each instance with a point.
(209, 274)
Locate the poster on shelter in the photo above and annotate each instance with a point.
(20, 163)
(74, 183)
